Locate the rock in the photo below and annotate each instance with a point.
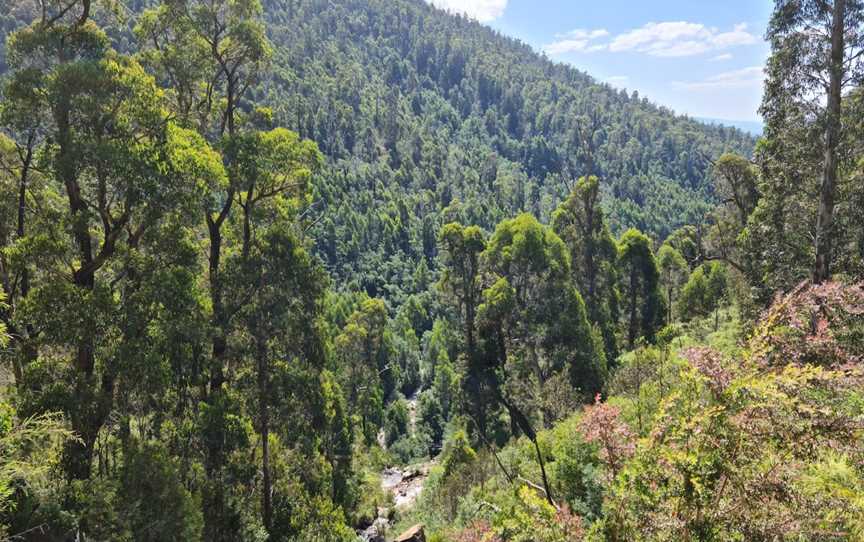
(370, 535)
(375, 532)
(409, 475)
(386, 513)
(414, 534)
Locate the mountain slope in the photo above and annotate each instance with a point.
(428, 117)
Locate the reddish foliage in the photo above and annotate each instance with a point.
(479, 531)
(817, 324)
(602, 423)
(711, 365)
(571, 524)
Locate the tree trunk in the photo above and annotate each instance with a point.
(264, 414)
(22, 208)
(669, 311)
(517, 417)
(825, 220)
(633, 324)
(542, 463)
(88, 414)
(220, 341)
(24, 337)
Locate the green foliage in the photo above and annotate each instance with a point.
(179, 182)
(396, 421)
(705, 480)
(430, 419)
(534, 297)
(687, 241)
(704, 292)
(674, 272)
(529, 518)
(579, 221)
(803, 223)
(28, 450)
(640, 277)
(362, 350)
(152, 500)
(838, 487)
(575, 470)
(435, 119)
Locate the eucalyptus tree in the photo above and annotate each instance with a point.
(115, 170)
(534, 325)
(23, 129)
(644, 311)
(286, 286)
(461, 247)
(580, 223)
(362, 353)
(210, 53)
(817, 58)
(736, 182)
(674, 273)
(280, 284)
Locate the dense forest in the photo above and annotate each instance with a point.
(308, 270)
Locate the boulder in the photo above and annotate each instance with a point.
(414, 534)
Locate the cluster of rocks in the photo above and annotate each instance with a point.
(377, 530)
(405, 485)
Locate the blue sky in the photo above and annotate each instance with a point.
(699, 57)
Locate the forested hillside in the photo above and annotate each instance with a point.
(426, 118)
(321, 271)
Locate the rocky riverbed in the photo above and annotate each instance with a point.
(405, 484)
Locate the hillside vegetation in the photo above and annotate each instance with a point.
(263, 262)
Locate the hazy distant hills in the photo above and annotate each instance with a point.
(751, 127)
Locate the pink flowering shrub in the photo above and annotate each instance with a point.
(602, 424)
(818, 324)
(572, 529)
(710, 364)
(479, 531)
(733, 451)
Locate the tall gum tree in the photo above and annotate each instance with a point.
(644, 312)
(534, 326)
(580, 223)
(114, 168)
(461, 247)
(209, 53)
(817, 57)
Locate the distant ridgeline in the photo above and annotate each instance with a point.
(755, 128)
(427, 118)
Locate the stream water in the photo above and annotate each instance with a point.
(404, 483)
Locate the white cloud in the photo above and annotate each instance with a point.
(581, 33)
(576, 41)
(721, 58)
(482, 10)
(666, 39)
(681, 38)
(743, 78)
(737, 36)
